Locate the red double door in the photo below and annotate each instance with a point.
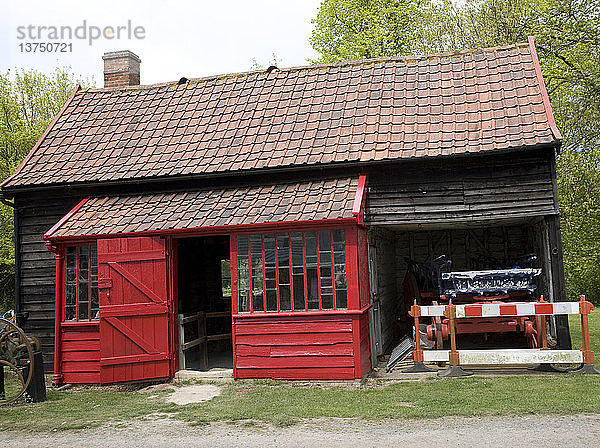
(135, 316)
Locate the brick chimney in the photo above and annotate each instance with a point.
(121, 68)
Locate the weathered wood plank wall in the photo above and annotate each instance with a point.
(38, 268)
(462, 190)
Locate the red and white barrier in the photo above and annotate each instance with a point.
(503, 356)
(504, 309)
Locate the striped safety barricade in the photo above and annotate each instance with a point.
(542, 355)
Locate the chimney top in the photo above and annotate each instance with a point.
(121, 68)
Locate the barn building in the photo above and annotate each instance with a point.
(272, 213)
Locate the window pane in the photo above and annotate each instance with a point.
(339, 260)
(283, 259)
(270, 272)
(312, 280)
(83, 296)
(94, 305)
(298, 270)
(257, 272)
(71, 284)
(243, 274)
(325, 268)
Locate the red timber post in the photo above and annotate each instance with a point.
(173, 305)
(57, 378)
(358, 265)
(353, 280)
(233, 269)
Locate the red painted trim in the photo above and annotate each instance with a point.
(7, 181)
(304, 313)
(352, 274)
(358, 207)
(332, 271)
(277, 272)
(55, 227)
(544, 92)
(319, 272)
(250, 282)
(223, 230)
(172, 304)
(58, 319)
(233, 265)
(356, 346)
(264, 287)
(290, 267)
(304, 271)
(82, 324)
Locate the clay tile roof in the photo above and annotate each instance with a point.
(209, 208)
(358, 111)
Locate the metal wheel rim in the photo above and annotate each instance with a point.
(7, 327)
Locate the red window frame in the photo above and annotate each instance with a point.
(276, 233)
(77, 247)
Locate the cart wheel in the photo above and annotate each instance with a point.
(16, 356)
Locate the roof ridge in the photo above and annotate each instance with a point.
(353, 62)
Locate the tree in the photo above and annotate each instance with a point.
(361, 29)
(579, 193)
(29, 100)
(567, 37)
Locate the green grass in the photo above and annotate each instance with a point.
(284, 403)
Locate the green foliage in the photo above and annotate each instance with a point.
(358, 29)
(579, 195)
(29, 100)
(567, 37)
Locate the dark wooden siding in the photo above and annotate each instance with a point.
(36, 215)
(383, 243)
(462, 189)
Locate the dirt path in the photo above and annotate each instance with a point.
(531, 431)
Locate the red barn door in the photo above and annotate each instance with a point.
(134, 309)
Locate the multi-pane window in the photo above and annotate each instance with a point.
(81, 291)
(295, 271)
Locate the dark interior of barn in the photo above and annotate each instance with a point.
(470, 247)
(204, 303)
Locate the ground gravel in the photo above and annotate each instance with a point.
(531, 431)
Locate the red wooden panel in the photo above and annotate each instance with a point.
(365, 345)
(274, 340)
(363, 267)
(299, 350)
(83, 356)
(134, 315)
(293, 362)
(291, 327)
(352, 262)
(294, 374)
(82, 377)
(79, 366)
(81, 336)
(73, 346)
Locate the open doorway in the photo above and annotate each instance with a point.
(204, 303)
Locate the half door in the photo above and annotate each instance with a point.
(134, 309)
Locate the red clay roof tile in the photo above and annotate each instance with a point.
(390, 108)
(243, 205)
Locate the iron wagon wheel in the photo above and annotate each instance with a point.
(16, 353)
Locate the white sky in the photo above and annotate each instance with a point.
(183, 37)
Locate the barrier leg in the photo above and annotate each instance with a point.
(418, 366)
(585, 309)
(454, 369)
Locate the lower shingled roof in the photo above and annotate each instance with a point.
(111, 215)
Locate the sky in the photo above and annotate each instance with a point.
(174, 38)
